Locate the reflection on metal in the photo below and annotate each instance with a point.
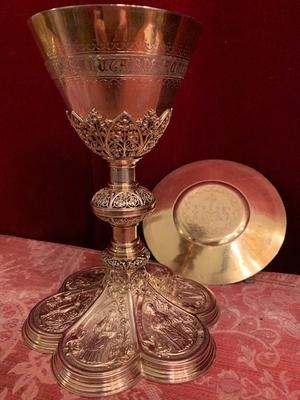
(119, 68)
(220, 222)
(106, 328)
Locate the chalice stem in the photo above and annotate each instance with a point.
(118, 68)
(125, 243)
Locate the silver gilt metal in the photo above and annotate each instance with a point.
(118, 68)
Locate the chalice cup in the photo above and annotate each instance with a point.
(118, 68)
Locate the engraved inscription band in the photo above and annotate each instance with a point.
(112, 65)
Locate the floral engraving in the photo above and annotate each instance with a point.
(123, 137)
(123, 221)
(131, 198)
(108, 47)
(128, 264)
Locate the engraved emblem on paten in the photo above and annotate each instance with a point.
(122, 137)
(211, 212)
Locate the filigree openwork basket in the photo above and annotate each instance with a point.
(118, 68)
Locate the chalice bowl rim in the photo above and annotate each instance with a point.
(129, 317)
(112, 5)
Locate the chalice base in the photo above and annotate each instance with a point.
(107, 328)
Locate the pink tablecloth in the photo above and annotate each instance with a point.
(257, 336)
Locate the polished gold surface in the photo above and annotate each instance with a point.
(114, 58)
(106, 329)
(219, 222)
(118, 68)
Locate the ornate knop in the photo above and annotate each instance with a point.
(117, 199)
(128, 264)
(123, 207)
(123, 137)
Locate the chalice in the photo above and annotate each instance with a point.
(118, 68)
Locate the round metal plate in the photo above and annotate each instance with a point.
(215, 222)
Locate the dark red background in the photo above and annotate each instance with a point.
(238, 102)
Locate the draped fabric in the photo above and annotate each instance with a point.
(257, 335)
(238, 102)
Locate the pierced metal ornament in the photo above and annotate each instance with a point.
(119, 68)
(123, 137)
